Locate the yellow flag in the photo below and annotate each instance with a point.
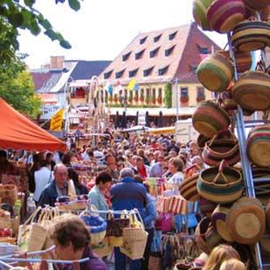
(131, 84)
(57, 120)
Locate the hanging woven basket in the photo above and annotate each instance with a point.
(220, 185)
(257, 4)
(199, 13)
(243, 60)
(246, 221)
(251, 36)
(258, 146)
(252, 91)
(224, 15)
(209, 118)
(215, 72)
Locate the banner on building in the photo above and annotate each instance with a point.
(57, 120)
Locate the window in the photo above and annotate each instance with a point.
(139, 55)
(159, 92)
(169, 51)
(193, 68)
(200, 92)
(148, 71)
(133, 73)
(203, 50)
(154, 52)
(108, 74)
(157, 38)
(119, 74)
(142, 40)
(126, 56)
(172, 35)
(162, 71)
(184, 92)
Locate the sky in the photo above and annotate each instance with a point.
(101, 29)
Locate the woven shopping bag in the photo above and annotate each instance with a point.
(32, 235)
(134, 238)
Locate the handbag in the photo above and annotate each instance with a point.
(223, 146)
(115, 227)
(32, 236)
(8, 194)
(134, 238)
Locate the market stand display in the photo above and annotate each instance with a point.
(239, 216)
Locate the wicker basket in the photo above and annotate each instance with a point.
(246, 221)
(199, 12)
(224, 15)
(257, 4)
(215, 72)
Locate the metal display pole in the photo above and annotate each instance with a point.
(248, 177)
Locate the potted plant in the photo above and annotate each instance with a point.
(200, 98)
(159, 100)
(142, 98)
(153, 99)
(184, 99)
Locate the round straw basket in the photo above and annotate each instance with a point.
(252, 91)
(199, 12)
(257, 4)
(251, 36)
(221, 185)
(219, 222)
(215, 72)
(207, 207)
(209, 118)
(258, 146)
(224, 15)
(188, 188)
(243, 60)
(246, 221)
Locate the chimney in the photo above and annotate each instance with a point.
(57, 62)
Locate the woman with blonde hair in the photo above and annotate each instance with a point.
(218, 255)
(232, 264)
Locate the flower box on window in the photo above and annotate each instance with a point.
(200, 98)
(136, 98)
(141, 98)
(159, 100)
(184, 99)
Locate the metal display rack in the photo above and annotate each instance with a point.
(241, 126)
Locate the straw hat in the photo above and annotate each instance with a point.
(246, 221)
(219, 222)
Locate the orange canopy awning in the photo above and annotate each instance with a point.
(18, 132)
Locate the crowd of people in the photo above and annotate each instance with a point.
(118, 167)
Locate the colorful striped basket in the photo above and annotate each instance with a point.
(219, 222)
(252, 91)
(215, 72)
(209, 118)
(188, 188)
(258, 146)
(243, 60)
(223, 146)
(257, 4)
(246, 221)
(199, 12)
(251, 35)
(224, 15)
(221, 185)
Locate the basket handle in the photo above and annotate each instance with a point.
(222, 165)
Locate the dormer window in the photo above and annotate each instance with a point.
(108, 74)
(163, 71)
(142, 40)
(126, 56)
(157, 38)
(154, 52)
(203, 50)
(172, 35)
(193, 68)
(139, 55)
(133, 73)
(169, 51)
(148, 71)
(119, 74)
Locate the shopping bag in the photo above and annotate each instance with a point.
(32, 235)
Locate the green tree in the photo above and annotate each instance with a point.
(168, 95)
(21, 14)
(17, 88)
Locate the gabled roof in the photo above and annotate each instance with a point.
(84, 70)
(39, 78)
(182, 39)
